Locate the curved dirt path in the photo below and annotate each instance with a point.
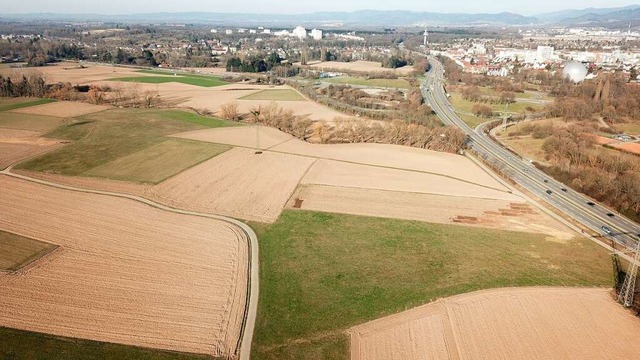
(251, 307)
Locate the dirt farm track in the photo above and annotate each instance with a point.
(125, 272)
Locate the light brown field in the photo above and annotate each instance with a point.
(125, 272)
(248, 136)
(177, 94)
(633, 148)
(12, 120)
(487, 213)
(360, 66)
(527, 323)
(17, 145)
(237, 183)
(339, 173)
(382, 155)
(72, 73)
(62, 109)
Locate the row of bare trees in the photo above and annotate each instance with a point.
(610, 177)
(398, 132)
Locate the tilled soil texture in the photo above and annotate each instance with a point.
(17, 145)
(238, 183)
(62, 109)
(527, 323)
(125, 272)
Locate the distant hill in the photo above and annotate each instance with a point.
(362, 18)
(359, 18)
(620, 17)
(566, 15)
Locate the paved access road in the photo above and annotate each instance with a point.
(622, 230)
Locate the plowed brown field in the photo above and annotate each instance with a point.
(443, 209)
(16, 145)
(125, 272)
(62, 109)
(238, 183)
(528, 323)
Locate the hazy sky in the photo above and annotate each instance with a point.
(528, 7)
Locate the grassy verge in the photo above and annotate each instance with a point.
(472, 120)
(167, 77)
(632, 128)
(104, 137)
(350, 80)
(275, 95)
(323, 273)
(26, 345)
(22, 103)
(17, 251)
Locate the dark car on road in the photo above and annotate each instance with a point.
(564, 189)
(591, 203)
(607, 229)
(610, 215)
(549, 192)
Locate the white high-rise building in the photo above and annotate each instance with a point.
(300, 32)
(316, 34)
(544, 53)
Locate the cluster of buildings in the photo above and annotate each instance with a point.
(497, 58)
(299, 32)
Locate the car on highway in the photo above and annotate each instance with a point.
(606, 229)
(545, 180)
(549, 192)
(564, 189)
(591, 203)
(610, 215)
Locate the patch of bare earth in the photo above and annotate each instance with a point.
(17, 145)
(443, 209)
(382, 155)
(125, 272)
(255, 137)
(62, 109)
(238, 183)
(526, 323)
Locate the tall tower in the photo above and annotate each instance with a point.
(627, 291)
(425, 37)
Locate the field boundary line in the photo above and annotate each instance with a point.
(411, 192)
(251, 305)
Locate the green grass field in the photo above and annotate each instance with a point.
(159, 161)
(7, 104)
(109, 135)
(31, 122)
(463, 105)
(25, 345)
(17, 251)
(632, 128)
(350, 80)
(322, 273)
(275, 95)
(472, 120)
(167, 77)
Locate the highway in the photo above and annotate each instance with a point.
(573, 204)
